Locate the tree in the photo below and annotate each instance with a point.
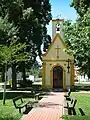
(47, 43)
(81, 6)
(10, 55)
(8, 33)
(31, 18)
(77, 36)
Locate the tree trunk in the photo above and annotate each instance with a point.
(88, 69)
(88, 74)
(23, 71)
(14, 83)
(3, 74)
(5, 84)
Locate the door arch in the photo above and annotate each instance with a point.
(57, 77)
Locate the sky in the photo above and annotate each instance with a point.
(62, 9)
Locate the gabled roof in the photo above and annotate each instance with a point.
(55, 38)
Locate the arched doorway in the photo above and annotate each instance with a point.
(57, 77)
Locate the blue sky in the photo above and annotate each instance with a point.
(62, 8)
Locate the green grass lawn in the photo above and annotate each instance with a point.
(9, 112)
(83, 103)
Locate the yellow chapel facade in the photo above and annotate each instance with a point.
(58, 66)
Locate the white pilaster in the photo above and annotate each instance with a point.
(68, 80)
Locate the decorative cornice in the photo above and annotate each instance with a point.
(55, 60)
(55, 20)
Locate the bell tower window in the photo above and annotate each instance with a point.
(57, 25)
(57, 28)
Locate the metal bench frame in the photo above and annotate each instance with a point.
(22, 103)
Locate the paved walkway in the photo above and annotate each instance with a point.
(50, 108)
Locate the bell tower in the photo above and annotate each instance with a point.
(57, 27)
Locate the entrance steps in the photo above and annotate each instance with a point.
(58, 90)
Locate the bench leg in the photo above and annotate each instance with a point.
(69, 111)
(19, 110)
(37, 97)
(26, 107)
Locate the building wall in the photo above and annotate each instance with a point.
(56, 55)
(49, 73)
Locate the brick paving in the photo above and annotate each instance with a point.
(50, 108)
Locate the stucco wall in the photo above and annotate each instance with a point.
(50, 59)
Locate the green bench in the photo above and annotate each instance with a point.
(35, 94)
(70, 105)
(19, 103)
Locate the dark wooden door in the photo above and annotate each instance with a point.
(58, 77)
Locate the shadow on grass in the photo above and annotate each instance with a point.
(77, 117)
(81, 88)
(73, 112)
(81, 111)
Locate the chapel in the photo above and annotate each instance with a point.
(58, 65)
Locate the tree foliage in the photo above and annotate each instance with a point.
(77, 35)
(12, 52)
(8, 31)
(81, 6)
(10, 55)
(31, 17)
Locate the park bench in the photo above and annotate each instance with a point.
(35, 94)
(70, 105)
(19, 103)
